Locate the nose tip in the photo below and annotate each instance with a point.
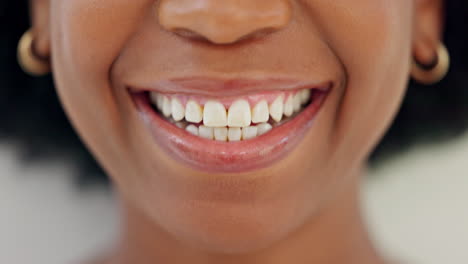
(223, 22)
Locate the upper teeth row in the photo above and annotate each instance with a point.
(240, 114)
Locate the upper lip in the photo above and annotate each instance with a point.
(208, 86)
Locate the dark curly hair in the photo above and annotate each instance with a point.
(31, 115)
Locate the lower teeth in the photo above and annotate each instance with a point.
(229, 134)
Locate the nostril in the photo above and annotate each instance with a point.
(258, 34)
(221, 39)
(189, 34)
(223, 22)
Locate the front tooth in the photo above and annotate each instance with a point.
(221, 133)
(214, 114)
(239, 114)
(167, 107)
(234, 134)
(192, 129)
(276, 108)
(297, 102)
(205, 132)
(263, 128)
(249, 132)
(289, 106)
(305, 96)
(193, 112)
(178, 110)
(260, 112)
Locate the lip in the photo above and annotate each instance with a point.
(227, 157)
(211, 87)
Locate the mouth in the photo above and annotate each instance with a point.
(229, 132)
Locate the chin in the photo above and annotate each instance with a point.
(231, 229)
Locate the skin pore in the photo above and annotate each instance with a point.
(302, 209)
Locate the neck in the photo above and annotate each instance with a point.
(336, 235)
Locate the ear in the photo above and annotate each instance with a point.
(40, 22)
(428, 29)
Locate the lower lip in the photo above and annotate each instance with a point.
(228, 157)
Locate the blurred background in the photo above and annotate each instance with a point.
(416, 205)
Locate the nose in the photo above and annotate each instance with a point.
(224, 21)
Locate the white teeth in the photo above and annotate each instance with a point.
(154, 99)
(192, 129)
(221, 133)
(305, 96)
(178, 110)
(206, 132)
(297, 102)
(263, 128)
(227, 134)
(214, 114)
(249, 132)
(289, 106)
(160, 101)
(234, 134)
(260, 112)
(239, 114)
(193, 112)
(166, 107)
(276, 109)
(233, 125)
(157, 100)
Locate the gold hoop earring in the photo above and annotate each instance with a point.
(433, 73)
(28, 60)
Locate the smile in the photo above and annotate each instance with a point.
(230, 120)
(229, 133)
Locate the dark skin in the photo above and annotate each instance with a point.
(176, 214)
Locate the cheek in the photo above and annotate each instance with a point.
(373, 42)
(87, 36)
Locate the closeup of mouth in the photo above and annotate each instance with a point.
(226, 133)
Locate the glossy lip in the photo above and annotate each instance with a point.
(226, 157)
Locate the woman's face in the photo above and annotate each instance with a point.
(109, 55)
